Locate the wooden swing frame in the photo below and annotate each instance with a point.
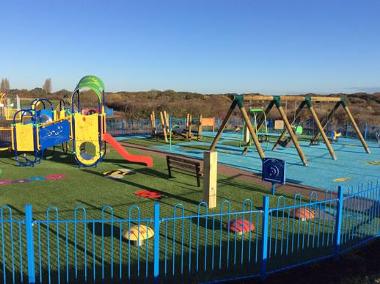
(275, 101)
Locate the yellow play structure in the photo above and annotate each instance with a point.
(41, 126)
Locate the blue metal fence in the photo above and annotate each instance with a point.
(288, 232)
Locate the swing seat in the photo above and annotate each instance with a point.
(285, 143)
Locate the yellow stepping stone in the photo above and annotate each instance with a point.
(342, 179)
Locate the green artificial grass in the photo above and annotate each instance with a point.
(89, 188)
(97, 247)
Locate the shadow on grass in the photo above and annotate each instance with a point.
(139, 186)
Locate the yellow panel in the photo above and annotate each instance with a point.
(86, 127)
(24, 137)
(10, 112)
(61, 114)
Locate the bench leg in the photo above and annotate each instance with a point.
(169, 169)
(198, 176)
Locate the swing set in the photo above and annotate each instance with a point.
(304, 102)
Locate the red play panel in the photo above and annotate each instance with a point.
(148, 194)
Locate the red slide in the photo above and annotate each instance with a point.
(148, 161)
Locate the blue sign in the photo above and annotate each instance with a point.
(54, 134)
(274, 170)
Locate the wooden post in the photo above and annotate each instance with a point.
(320, 129)
(296, 115)
(200, 127)
(223, 125)
(166, 118)
(210, 178)
(163, 126)
(325, 122)
(190, 133)
(291, 132)
(246, 135)
(153, 123)
(356, 128)
(167, 126)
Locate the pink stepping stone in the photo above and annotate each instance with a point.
(241, 226)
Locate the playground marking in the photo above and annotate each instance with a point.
(31, 179)
(374, 163)
(342, 179)
(5, 181)
(118, 174)
(37, 178)
(25, 180)
(55, 177)
(148, 194)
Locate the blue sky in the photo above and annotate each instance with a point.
(274, 47)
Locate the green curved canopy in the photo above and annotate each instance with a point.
(91, 82)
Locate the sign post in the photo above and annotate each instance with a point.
(273, 171)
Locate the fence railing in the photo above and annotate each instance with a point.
(123, 127)
(89, 246)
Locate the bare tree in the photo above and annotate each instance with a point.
(4, 85)
(47, 86)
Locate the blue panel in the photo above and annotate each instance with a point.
(54, 134)
(274, 170)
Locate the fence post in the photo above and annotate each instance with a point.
(265, 225)
(338, 221)
(30, 243)
(156, 246)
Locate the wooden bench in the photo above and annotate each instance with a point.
(184, 166)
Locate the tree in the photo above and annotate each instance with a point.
(4, 85)
(47, 86)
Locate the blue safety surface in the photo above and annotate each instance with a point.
(350, 168)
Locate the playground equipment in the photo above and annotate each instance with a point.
(7, 108)
(171, 127)
(304, 101)
(240, 227)
(198, 124)
(42, 127)
(137, 234)
(164, 121)
(5, 138)
(262, 135)
(335, 135)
